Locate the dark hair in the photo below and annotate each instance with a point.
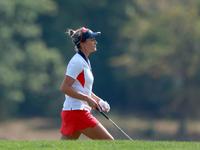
(75, 35)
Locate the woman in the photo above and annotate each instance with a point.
(77, 87)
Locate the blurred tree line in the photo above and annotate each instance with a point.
(147, 63)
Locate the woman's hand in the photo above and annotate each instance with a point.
(104, 105)
(92, 103)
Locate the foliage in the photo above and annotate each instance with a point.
(28, 67)
(164, 43)
(146, 63)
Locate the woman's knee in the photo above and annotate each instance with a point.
(75, 136)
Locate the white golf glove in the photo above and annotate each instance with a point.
(104, 105)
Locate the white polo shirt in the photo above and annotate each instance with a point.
(79, 70)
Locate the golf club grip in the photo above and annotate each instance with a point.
(103, 114)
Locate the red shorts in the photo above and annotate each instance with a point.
(75, 120)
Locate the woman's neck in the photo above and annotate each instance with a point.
(85, 53)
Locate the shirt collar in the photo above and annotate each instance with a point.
(81, 53)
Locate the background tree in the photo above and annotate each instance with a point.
(29, 69)
(164, 43)
(146, 63)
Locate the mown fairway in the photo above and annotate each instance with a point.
(97, 145)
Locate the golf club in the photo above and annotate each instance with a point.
(113, 123)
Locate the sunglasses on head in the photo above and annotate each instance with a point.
(84, 30)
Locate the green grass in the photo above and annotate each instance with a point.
(97, 145)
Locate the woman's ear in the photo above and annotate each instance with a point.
(82, 45)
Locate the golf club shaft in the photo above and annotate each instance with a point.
(114, 124)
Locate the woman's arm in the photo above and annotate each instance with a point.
(95, 97)
(67, 88)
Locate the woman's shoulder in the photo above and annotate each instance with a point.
(76, 59)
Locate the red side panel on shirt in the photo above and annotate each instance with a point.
(81, 78)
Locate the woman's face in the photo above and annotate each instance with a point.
(90, 45)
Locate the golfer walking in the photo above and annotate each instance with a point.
(77, 87)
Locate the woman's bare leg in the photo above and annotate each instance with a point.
(75, 136)
(98, 132)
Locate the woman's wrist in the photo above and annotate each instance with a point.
(100, 100)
